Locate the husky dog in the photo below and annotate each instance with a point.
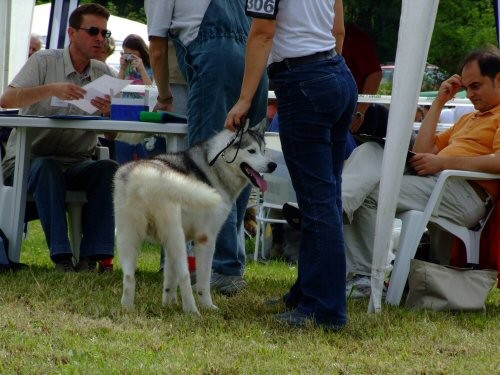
(176, 197)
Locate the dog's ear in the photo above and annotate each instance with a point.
(261, 127)
(246, 126)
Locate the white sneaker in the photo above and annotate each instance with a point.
(358, 286)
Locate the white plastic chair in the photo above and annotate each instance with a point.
(415, 222)
(279, 191)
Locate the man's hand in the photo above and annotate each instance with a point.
(449, 89)
(102, 104)
(426, 164)
(237, 115)
(68, 91)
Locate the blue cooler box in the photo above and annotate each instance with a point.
(127, 109)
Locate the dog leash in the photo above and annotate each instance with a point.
(239, 133)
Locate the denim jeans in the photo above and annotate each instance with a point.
(315, 104)
(213, 65)
(48, 182)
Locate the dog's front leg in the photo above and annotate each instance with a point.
(204, 251)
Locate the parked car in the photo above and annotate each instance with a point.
(433, 76)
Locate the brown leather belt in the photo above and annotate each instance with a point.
(480, 191)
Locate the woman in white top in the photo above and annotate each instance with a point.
(316, 101)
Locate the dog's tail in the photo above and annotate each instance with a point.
(145, 182)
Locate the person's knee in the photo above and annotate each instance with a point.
(107, 168)
(46, 165)
(45, 169)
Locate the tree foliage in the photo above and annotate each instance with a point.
(131, 9)
(461, 25)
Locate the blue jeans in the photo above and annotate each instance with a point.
(48, 182)
(315, 104)
(213, 65)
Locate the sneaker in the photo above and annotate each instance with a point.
(105, 265)
(358, 286)
(292, 215)
(105, 268)
(227, 285)
(86, 265)
(65, 266)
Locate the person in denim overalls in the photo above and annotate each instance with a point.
(213, 65)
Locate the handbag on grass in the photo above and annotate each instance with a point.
(442, 288)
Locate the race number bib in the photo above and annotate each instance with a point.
(262, 8)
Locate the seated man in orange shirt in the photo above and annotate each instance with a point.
(473, 143)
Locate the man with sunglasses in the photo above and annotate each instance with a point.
(62, 159)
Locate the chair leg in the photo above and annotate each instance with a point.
(257, 241)
(408, 244)
(473, 247)
(75, 227)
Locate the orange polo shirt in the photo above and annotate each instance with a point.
(474, 134)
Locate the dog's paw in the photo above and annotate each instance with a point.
(210, 306)
(169, 299)
(127, 303)
(190, 310)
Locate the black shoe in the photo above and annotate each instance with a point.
(292, 215)
(86, 265)
(65, 265)
(12, 267)
(288, 305)
(297, 319)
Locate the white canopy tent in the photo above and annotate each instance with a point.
(15, 21)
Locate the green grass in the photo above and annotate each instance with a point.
(73, 323)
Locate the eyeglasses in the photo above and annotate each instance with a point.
(95, 30)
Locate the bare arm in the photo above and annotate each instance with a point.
(260, 41)
(428, 163)
(19, 97)
(425, 141)
(338, 26)
(158, 52)
(371, 85)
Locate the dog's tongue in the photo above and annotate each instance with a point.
(261, 183)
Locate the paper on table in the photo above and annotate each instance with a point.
(104, 85)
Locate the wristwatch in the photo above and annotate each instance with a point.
(359, 114)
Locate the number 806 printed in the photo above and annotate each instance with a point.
(262, 8)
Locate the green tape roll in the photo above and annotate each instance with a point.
(152, 116)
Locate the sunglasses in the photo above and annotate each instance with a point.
(95, 30)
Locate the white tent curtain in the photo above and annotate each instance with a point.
(15, 25)
(414, 38)
(497, 17)
(57, 36)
